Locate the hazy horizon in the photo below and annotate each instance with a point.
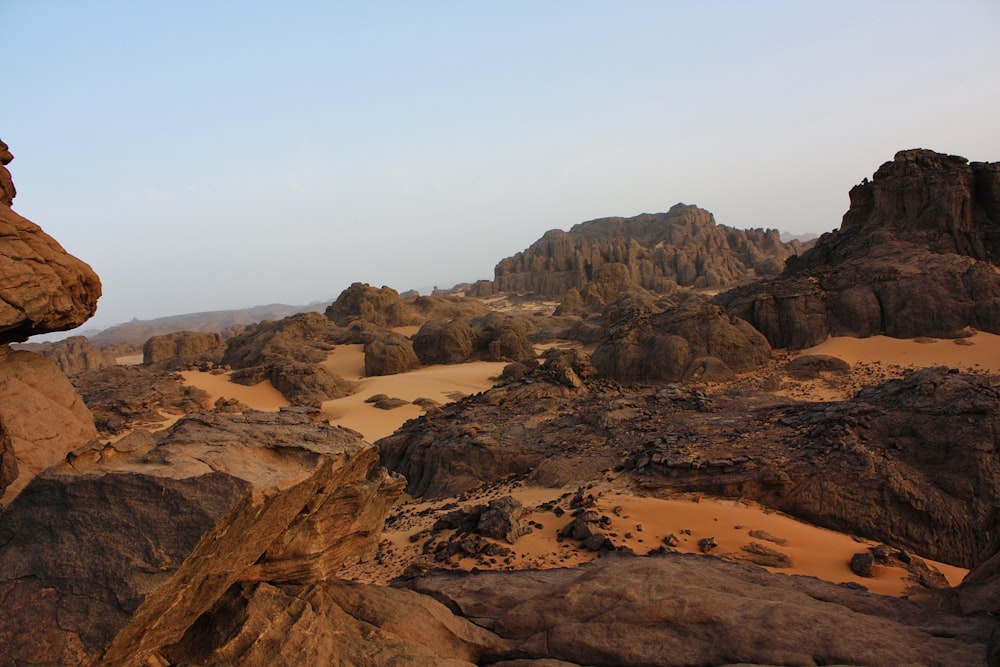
(214, 156)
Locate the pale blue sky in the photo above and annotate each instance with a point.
(210, 155)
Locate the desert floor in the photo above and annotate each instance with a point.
(640, 523)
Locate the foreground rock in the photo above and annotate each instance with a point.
(691, 610)
(42, 287)
(916, 255)
(114, 554)
(41, 419)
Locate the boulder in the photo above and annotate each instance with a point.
(440, 342)
(41, 419)
(42, 287)
(390, 354)
(181, 345)
(694, 338)
(114, 555)
(382, 307)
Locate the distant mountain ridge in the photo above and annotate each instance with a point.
(660, 251)
(138, 331)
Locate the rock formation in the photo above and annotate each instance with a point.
(76, 354)
(916, 255)
(692, 340)
(288, 353)
(41, 418)
(182, 345)
(384, 307)
(389, 354)
(658, 252)
(42, 287)
(115, 554)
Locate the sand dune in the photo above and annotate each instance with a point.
(979, 352)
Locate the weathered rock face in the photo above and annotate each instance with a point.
(41, 419)
(389, 354)
(181, 344)
(657, 252)
(687, 610)
(694, 339)
(42, 287)
(383, 307)
(76, 355)
(444, 342)
(114, 554)
(916, 255)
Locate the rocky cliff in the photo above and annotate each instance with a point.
(658, 252)
(917, 254)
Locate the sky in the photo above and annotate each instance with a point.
(215, 155)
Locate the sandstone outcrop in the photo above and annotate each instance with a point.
(657, 252)
(114, 555)
(41, 419)
(76, 354)
(389, 354)
(42, 287)
(916, 255)
(182, 346)
(491, 337)
(288, 353)
(385, 308)
(693, 340)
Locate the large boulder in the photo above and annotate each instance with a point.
(42, 287)
(389, 354)
(694, 339)
(41, 419)
(444, 342)
(116, 553)
(916, 255)
(182, 345)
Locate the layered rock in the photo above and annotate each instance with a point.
(42, 287)
(658, 252)
(916, 255)
(113, 555)
(695, 339)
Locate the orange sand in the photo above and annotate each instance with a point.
(439, 383)
(641, 523)
(982, 355)
(260, 396)
(442, 383)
